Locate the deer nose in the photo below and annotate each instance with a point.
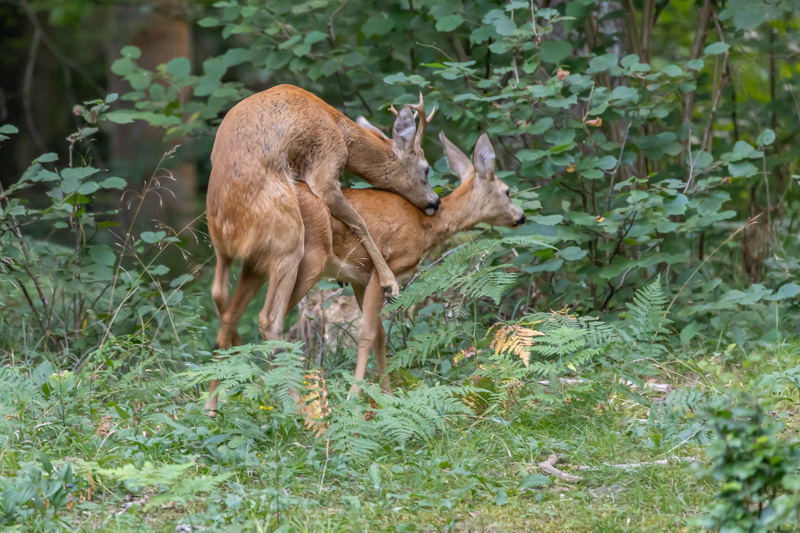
(520, 221)
(434, 205)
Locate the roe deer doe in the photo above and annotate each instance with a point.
(402, 234)
(267, 144)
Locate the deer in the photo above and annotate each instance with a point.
(267, 145)
(403, 235)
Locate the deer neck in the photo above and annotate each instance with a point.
(454, 215)
(367, 156)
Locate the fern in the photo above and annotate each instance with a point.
(423, 345)
(18, 392)
(681, 418)
(465, 269)
(561, 342)
(357, 430)
(646, 314)
(238, 367)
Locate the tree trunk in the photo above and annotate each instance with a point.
(136, 148)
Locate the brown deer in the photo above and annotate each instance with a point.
(264, 147)
(402, 234)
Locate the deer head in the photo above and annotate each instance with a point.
(406, 171)
(490, 200)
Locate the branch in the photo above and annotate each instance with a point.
(549, 466)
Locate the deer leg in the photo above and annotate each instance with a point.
(282, 277)
(346, 213)
(379, 345)
(308, 274)
(380, 356)
(371, 304)
(246, 289)
(219, 290)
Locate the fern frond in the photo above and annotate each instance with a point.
(466, 270)
(515, 339)
(646, 314)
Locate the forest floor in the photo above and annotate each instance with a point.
(481, 474)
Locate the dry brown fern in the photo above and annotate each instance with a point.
(316, 407)
(515, 339)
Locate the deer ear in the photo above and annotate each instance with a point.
(456, 159)
(367, 125)
(483, 157)
(404, 129)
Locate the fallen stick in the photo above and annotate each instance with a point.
(549, 466)
(631, 466)
(658, 387)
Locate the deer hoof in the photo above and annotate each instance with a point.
(390, 291)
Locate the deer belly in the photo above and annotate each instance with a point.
(350, 272)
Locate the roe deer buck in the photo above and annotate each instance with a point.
(264, 146)
(402, 234)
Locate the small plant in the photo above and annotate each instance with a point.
(760, 488)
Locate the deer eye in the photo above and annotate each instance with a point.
(427, 171)
(508, 193)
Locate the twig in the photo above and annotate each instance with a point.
(658, 387)
(549, 466)
(27, 91)
(749, 222)
(631, 466)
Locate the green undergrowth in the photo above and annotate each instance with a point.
(124, 445)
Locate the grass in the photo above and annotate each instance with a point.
(259, 469)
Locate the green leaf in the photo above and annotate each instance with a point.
(119, 117)
(716, 48)
(572, 253)
(179, 67)
(689, 332)
(131, 52)
(47, 158)
(395, 78)
(102, 255)
(555, 51)
(673, 71)
(113, 183)
(8, 129)
(629, 60)
(701, 160)
(504, 26)
(535, 480)
(88, 188)
(70, 184)
(353, 59)
(153, 237)
(602, 63)
(79, 173)
(380, 25)
(741, 150)
(449, 23)
(375, 476)
(766, 138)
(790, 290)
(747, 19)
(215, 68)
(315, 37)
(301, 50)
(208, 22)
(742, 170)
(696, 64)
(550, 220)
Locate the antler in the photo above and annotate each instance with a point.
(419, 110)
(423, 119)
